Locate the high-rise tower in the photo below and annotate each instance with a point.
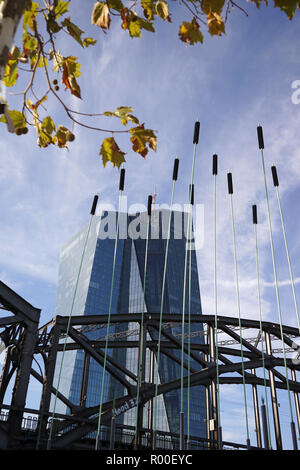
(92, 298)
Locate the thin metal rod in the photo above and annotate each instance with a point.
(67, 330)
(274, 397)
(276, 285)
(189, 341)
(288, 257)
(160, 320)
(220, 445)
(185, 271)
(141, 345)
(261, 330)
(239, 317)
(108, 325)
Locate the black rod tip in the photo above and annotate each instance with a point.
(94, 205)
(196, 132)
(260, 137)
(149, 205)
(254, 214)
(215, 164)
(230, 184)
(191, 194)
(122, 179)
(175, 169)
(275, 176)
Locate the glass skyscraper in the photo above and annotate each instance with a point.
(93, 295)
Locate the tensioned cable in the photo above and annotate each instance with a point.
(254, 214)
(141, 345)
(195, 142)
(121, 188)
(261, 147)
(276, 184)
(175, 174)
(93, 210)
(230, 191)
(215, 172)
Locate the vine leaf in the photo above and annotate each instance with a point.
(110, 152)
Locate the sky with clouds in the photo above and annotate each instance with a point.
(230, 84)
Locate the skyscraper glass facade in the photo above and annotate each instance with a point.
(93, 295)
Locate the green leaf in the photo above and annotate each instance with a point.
(89, 42)
(11, 70)
(73, 30)
(30, 14)
(115, 5)
(17, 118)
(61, 136)
(111, 153)
(48, 125)
(100, 15)
(52, 25)
(61, 8)
(212, 5)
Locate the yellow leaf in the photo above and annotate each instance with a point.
(190, 33)
(140, 138)
(100, 15)
(215, 24)
(110, 152)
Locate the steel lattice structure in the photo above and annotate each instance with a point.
(24, 340)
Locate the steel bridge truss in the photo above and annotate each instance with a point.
(25, 342)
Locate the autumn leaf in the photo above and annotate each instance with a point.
(134, 23)
(215, 6)
(110, 152)
(115, 5)
(11, 69)
(17, 118)
(70, 72)
(162, 9)
(30, 14)
(288, 6)
(123, 113)
(215, 24)
(100, 15)
(190, 33)
(73, 30)
(140, 138)
(89, 42)
(61, 137)
(148, 8)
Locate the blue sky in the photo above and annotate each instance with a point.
(231, 84)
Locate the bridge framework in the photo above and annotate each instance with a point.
(24, 340)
